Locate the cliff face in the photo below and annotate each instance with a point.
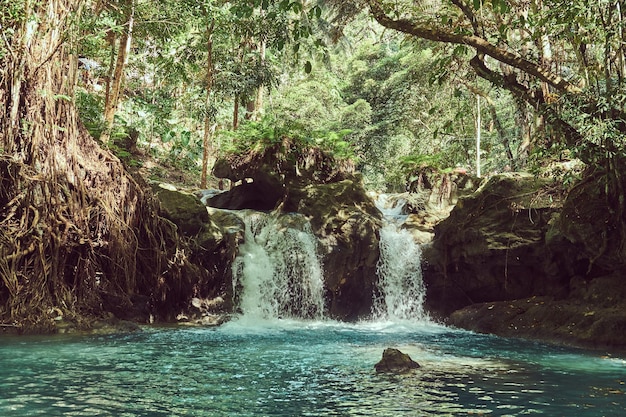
(519, 258)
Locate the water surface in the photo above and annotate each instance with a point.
(300, 368)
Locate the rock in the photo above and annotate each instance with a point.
(589, 223)
(518, 259)
(184, 210)
(289, 178)
(500, 243)
(256, 195)
(395, 361)
(213, 240)
(346, 222)
(208, 320)
(206, 305)
(593, 316)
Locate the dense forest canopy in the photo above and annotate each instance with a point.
(182, 75)
(394, 85)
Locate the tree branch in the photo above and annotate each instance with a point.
(535, 98)
(481, 45)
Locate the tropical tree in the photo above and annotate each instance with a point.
(74, 227)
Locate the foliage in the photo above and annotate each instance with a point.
(415, 163)
(255, 137)
(396, 97)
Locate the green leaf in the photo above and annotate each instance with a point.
(296, 7)
(318, 11)
(477, 4)
(168, 136)
(500, 6)
(185, 138)
(308, 67)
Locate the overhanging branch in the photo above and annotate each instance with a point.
(481, 45)
(535, 98)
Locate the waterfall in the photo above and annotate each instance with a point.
(278, 272)
(401, 291)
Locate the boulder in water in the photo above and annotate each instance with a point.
(396, 362)
(346, 222)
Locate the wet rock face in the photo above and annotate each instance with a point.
(519, 259)
(593, 315)
(213, 240)
(254, 196)
(500, 243)
(286, 178)
(346, 222)
(394, 361)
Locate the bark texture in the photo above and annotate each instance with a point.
(79, 237)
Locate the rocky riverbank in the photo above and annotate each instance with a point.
(512, 259)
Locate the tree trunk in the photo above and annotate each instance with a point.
(114, 86)
(208, 125)
(74, 227)
(502, 135)
(258, 102)
(236, 113)
(496, 121)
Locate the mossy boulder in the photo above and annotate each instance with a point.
(287, 177)
(213, 239)
(186, 211)
(593, 315)
(346, 222)
(499, 243)
(264, 176)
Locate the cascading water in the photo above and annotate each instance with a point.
(401, 289)
(278, 272)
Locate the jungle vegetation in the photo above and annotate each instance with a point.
(89, 88)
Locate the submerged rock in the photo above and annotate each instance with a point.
(396, 362)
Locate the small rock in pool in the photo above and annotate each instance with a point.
(395, 361)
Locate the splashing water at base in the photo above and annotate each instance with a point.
(278, 272)
(400, 285)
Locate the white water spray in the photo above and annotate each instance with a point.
(278, 272)
(400, 285)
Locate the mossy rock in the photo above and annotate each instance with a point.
(589, 220)
(185, 210)
(493, 246)
(347, 222)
